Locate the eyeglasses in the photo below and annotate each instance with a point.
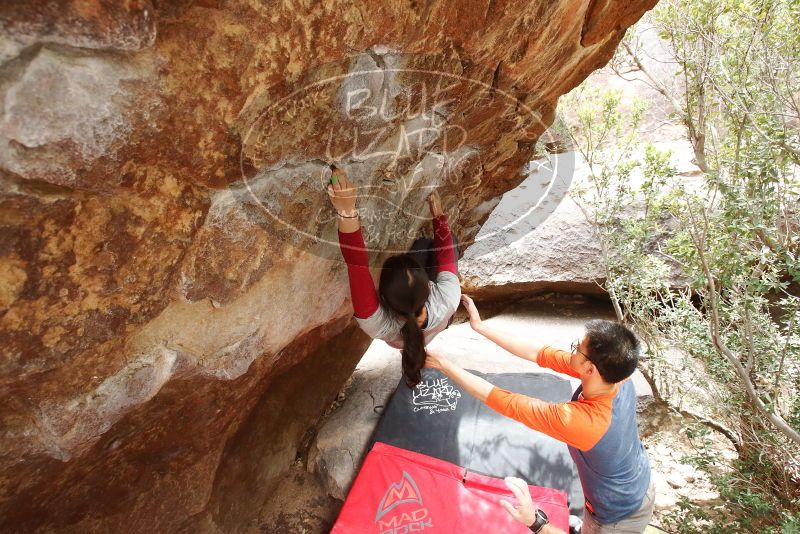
(574, 347)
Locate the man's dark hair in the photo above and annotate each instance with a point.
(612, 348)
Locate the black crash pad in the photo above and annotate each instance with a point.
(439, 419)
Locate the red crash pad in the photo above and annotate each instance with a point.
(399, 492)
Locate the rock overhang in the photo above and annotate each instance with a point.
(148, 294)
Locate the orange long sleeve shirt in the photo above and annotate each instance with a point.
(580, 423)
(601, 434)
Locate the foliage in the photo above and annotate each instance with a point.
(712, 265)
(743, 505)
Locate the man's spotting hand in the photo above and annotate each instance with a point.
(525, 512)
(474, 317)
(434, 360)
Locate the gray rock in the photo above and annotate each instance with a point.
(526, 247)
(535, 239)
(341, 442)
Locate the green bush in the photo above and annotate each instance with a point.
(711, 266)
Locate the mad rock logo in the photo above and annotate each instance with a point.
(392, 518)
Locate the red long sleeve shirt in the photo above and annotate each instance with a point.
(362, 287)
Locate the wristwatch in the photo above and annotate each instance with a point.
(540, 522)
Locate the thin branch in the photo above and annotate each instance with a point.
(785, 350)
(723, 349)
(658, 86)
(795, 152)
(719, 427)
(748, 327)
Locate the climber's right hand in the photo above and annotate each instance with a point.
(342, 192)
(435, 204)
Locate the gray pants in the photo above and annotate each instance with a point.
(633, 524)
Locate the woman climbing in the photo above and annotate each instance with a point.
(408, 309)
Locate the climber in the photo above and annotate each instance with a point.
(598, 424)
(409, 309)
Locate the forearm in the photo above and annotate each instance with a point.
(443, 245)
(474, 385)
(550, 529)
(513, 343)
(362, 287)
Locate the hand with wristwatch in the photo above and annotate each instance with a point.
(526, 512)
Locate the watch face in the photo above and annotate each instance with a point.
(540, 514)
(541, 520)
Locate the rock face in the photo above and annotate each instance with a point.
(171, 290)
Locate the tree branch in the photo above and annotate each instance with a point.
(785, 350)
(719, 427)
(723, 349)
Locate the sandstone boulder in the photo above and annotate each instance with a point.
(171, 288)
(553, 249)
(522, 251)
(538, 238)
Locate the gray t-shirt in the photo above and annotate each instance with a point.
(445, 294)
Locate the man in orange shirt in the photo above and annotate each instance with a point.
(598, 424)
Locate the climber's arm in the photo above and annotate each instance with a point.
(343, 195)
(442, 239)
(474, 385)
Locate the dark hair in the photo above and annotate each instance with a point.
(403, 288)
(613, 349)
